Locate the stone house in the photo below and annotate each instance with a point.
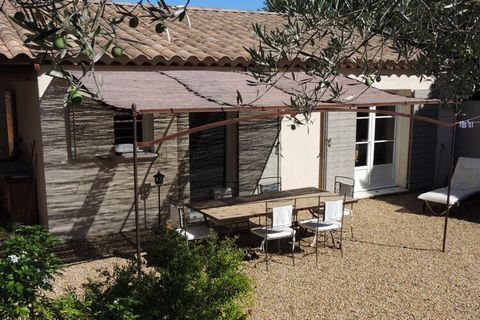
(73, 170)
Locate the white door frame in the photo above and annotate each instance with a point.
(366, 175)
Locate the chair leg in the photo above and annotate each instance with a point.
(262, 245)
(341, 241)
(293, 249)
(266, 253)
(333, 239)
(314, 241)
(316, 249)
(278, 247)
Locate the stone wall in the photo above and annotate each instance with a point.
(89, 191)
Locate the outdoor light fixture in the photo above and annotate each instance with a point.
(159, 179)
(159, 182)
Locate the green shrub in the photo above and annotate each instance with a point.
(66, 307)
(196, 281)
(27, 266)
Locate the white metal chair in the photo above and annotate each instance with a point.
(181, 222)
(346, 186)
(279, 227)
(332, 220)
(269, 184)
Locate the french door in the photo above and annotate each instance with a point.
(375, 150)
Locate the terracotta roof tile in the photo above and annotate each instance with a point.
(11, 37)
(217, 38)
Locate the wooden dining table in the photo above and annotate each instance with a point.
(231, 210)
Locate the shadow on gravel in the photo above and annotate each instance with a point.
(395, 246)
(468, 211)
(120, 245)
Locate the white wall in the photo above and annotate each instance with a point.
(300, 149)
(43, 83)
(402, 144)
(399, 82)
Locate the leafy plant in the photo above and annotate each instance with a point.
(27, 267)
(195, 281)
(182, 281)
(437, 38)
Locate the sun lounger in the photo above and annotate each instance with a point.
(465, 184)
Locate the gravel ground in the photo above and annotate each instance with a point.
(392, 269)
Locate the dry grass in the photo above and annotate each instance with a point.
(392, 269)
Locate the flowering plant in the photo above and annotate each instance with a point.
(27, 266)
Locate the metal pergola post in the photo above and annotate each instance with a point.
(135, 187)
(449, 188)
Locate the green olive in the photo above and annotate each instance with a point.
(75, 97)
(133, 23)
(117, 51)
(59, 43)
(20, 16)
(160, 28)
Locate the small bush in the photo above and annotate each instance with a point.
(27, 267)
(182, 281)
(196, 281)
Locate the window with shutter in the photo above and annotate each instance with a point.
(123, 132)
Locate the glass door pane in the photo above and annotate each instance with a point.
(383, 153)
(361, 152)
(384, 129)
(362, 130)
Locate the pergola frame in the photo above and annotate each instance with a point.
(273, 112)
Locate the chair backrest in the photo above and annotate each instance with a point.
(466, 174)
(269, 184)
(344, 186)
(282, 216)
(282, 212)
(333, 210)
(270, 187)
(332, 206)
(177, 215)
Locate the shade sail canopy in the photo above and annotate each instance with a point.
(216, 91)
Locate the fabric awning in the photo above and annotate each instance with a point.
(216, 91)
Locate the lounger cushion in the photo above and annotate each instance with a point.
(466, 178)
(440, 195)
(466, 174)
(273, 234)
(314, 224)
